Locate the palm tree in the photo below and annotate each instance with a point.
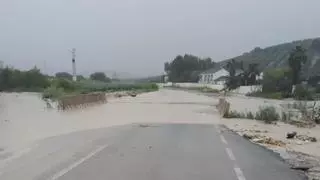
(231, 66)
(296, 59)
(232, 81)
(252, 73)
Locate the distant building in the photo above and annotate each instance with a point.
(221, 80)
(259, 76)
(209, 76)
(217, 75)
(166, 78)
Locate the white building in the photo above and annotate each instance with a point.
(214, 76)
(219, 75)
(260, 76)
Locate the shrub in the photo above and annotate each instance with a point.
(52, 92)
(276, 80)
(286, 94)
(65, 84)
(254, 93)
(316, 117)
(273, 95)
(234, 114)
(250, 115)
(284, 117)
(302, 93)
(317, 89)
(267, 114)
(154, 86)
(287, 116)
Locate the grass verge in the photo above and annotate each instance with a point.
(61, 87)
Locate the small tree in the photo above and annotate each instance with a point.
(231, 66)
(64, 75)
(277, 80)
(100, 76)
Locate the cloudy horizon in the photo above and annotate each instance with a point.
(136, 37)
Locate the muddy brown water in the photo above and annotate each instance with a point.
(25, 118)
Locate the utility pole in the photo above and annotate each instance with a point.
(74, 74)
(114, 75)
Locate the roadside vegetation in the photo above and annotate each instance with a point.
(267, 114)
(60, 87)
(301, 114)
(54, 87)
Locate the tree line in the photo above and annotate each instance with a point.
(15, 80)
(97, 76)
(284, 81)
(187, 68)
(12, 79)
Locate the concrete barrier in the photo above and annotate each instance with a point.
(80, 100)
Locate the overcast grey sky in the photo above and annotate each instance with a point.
(138, 36)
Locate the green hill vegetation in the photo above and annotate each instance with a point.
(277, 57)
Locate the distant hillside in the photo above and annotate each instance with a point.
(277, 56)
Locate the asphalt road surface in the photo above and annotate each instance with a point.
(145, 152)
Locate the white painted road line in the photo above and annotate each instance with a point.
(77, 163)
(230, 154)
(223, 139)
(239, 173)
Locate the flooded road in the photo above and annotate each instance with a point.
(24, 117)
(171, 134)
